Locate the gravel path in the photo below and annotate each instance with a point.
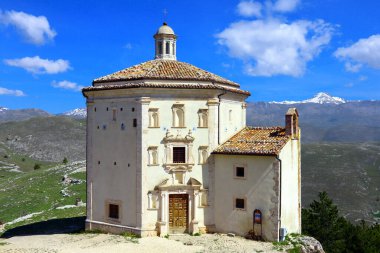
(99, 243)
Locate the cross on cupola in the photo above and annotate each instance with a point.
(165, 40)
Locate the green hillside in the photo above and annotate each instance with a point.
(38, 195)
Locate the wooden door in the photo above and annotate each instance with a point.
(178, 212)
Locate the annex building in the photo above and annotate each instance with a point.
(168, 151)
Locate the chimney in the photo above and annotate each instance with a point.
(291, 123)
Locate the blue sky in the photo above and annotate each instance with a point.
(276, 49)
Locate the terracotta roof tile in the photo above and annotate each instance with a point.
(164, 70)
(255, 141)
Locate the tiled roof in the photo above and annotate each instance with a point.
(255, 141)
(162, 85)
(164, 70)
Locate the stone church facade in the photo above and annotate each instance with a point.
(168, 151)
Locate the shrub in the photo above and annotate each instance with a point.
(65, 161)
(37, 166)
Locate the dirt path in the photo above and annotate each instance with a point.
(99, 243)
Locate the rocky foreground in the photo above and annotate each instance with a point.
(99, 243)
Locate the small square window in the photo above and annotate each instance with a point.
(239, 203)
(113, 211)
(239, 172)
(179, 155)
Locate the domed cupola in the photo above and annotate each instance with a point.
(165, 43)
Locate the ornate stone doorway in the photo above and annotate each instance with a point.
(178, 213)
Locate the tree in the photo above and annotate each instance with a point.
(37, 166)
(65, 161)
(322, 221)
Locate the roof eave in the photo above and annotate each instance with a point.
(244, 153)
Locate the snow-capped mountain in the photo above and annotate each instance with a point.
(77, 113)
(3, 109)
(320, 98)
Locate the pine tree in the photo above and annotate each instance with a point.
(322, 221)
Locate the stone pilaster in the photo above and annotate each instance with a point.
(89, 158)
(244, 114)
(142, 117)
(213, 107)
(275, 217)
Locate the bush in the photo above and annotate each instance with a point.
(37, 166)
(65, 161)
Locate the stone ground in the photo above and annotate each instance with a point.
(99, 243)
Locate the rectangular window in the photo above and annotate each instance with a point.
(114, 114)
(113, 211)
(179, 155)
(239, 203)
(134, 122)
(239, 172)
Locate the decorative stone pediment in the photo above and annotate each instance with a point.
(169, 184)
(170, 137)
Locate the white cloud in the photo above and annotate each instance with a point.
(67, 85)
(285, 5)
(128, 46)
(36, 65)
(249, 8)
(364, 52)
(351, 67)
(270, 47)
(35, 29)
(17, 93)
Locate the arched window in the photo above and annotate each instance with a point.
(153, 117)
(154, 157)
(230, 115)
(178, 116)
(160, 47)
(202, 118)
(167, 47)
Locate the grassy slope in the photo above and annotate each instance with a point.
(39, 191)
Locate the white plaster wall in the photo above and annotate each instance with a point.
(257, 188)
(290, 192)
(229, 127)
(109, 145)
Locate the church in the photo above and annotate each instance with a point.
(168, 151)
